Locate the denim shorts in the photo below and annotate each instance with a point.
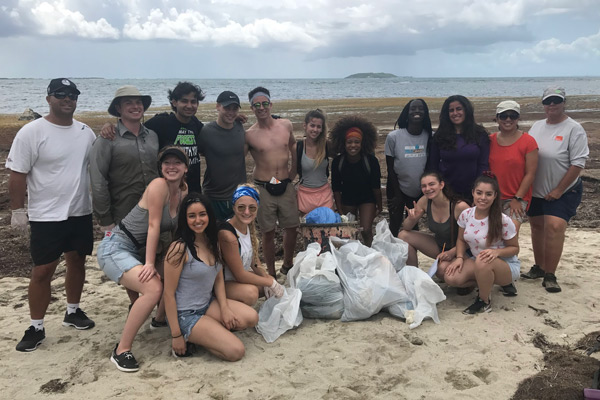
(117, 254)
(564, 207)
(513, 263)
(188, 318)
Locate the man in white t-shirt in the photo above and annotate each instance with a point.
(48, 159)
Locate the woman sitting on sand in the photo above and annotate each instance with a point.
(460, 147)
(491, 237)
(313, 165)
(513, 159)
(355, 172)
(443, 210)
(118, 253)
(193, 278)
(245, 281)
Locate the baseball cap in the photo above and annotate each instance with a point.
(62, 83)
(508, 105)
(174, 151)
(228, 98)
(554, 91)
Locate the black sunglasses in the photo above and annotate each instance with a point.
(552, 100)
(62, 95)
(505, 115)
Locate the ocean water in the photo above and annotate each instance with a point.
(96, 93)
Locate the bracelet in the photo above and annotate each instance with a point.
(178, 336)
(460, 257)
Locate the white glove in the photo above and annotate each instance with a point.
(268, 292)
(277, 289)
(19, 219)
(107, 228)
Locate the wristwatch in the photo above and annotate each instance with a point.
(518, 198)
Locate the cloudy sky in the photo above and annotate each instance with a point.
(298, 39)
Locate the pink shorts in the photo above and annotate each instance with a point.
(311, 198)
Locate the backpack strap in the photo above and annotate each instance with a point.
(225, 225)
(365, 161)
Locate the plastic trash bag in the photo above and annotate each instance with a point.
(277, 316)
(322, 215)
(314, 275)
(369, 280)
(396, 250)
(422, 295)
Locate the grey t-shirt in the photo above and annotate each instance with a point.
(410, 156)
(196, 282)
(223, 151)
(561, 145)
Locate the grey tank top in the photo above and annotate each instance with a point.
(443, 230)
(196, 282)
(313, 177)
(136, 222)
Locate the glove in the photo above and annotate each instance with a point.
(277, 289)
(268, 292)
(19, 219)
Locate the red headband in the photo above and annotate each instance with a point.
(354, 133)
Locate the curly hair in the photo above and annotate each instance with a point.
(402, 121)
(445, 136)
(337, 135)
(184, 233)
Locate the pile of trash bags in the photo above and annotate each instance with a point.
(352, 283)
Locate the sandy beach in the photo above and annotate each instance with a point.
(464, 357)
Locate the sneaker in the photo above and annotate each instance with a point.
(189, 351)
(534, 273)
(158, 324)
(31, 340)
(550, 283)
(477, 307)
(125, 361)
(78, 320)
(509, 290)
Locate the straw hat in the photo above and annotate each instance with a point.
(128, 91)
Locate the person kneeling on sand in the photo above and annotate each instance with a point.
(245, 281)
(193, 278)
(355, 172)
(492, 238)
(118, 253)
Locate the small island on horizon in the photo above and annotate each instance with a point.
(371, 75)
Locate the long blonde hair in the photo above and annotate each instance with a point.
(252, 230)
(322, 138)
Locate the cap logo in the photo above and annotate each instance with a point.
(66, 82)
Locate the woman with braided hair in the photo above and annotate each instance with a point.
(245, 281)
(355, 172)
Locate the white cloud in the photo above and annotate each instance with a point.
(583, 47)
(56, 20)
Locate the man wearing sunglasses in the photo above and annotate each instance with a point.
(223, 145)
(49, 160)
(557, 187)
(271, 142)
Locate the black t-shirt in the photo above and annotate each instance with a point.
(171, 131)
(355, 182)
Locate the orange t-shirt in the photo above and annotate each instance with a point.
(508, 164)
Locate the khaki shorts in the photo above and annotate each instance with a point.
(282, 208)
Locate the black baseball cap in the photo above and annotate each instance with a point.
(62, 83)
(228, 98)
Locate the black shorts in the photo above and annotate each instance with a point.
(49, 240)
(564, 207)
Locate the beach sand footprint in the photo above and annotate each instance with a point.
(460, 380)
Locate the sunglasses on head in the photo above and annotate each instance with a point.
(62, 95)
(512, 115)
(552, 100)
(265, 104)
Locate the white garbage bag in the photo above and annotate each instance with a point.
(277, 316)
(314, 274)
(422, 295)
(368, 278)
(396, 250)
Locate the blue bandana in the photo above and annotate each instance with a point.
(245, 191)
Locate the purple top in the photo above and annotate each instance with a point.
(460, 167)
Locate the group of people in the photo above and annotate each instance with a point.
(189, 246)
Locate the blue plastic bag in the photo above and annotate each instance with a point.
(323, 215)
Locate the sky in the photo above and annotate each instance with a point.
(261, 39)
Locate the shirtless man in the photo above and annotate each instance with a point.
(271, 142)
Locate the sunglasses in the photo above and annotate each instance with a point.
(265, 104)
(505, 115)
(242, 207)
(62, 95)
(552, 100)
